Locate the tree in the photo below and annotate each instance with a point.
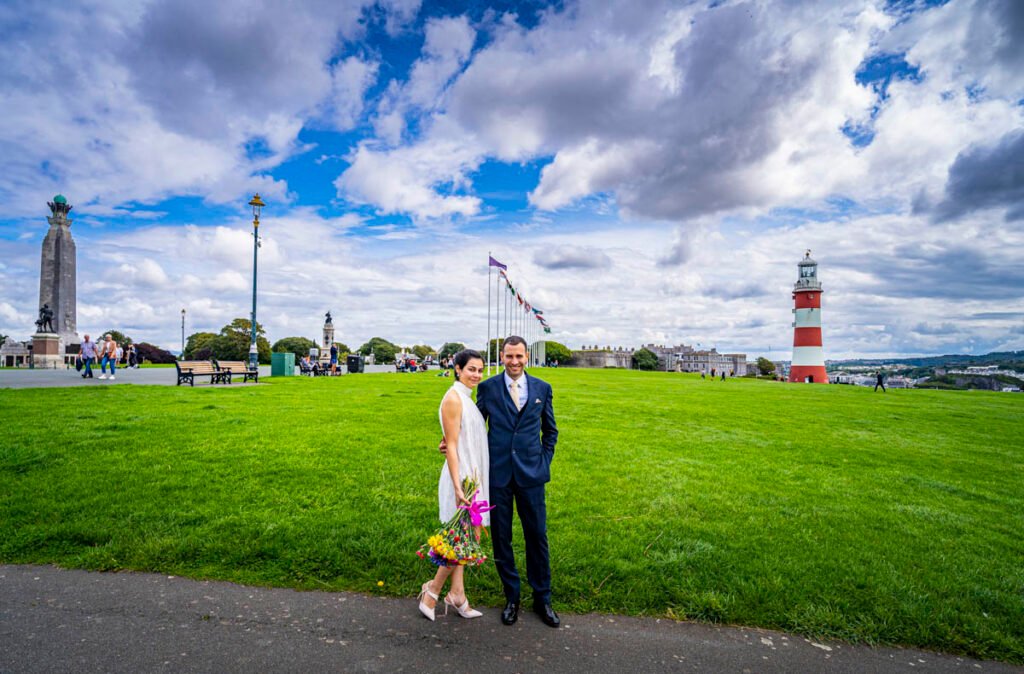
(153, 353)
(122, 339)
(449, 349)
(233, 342)
(559, 352)
(3, 338)
(765, 366)
(383, 351)
(343, 349)
(300, 346)
(645, 359)
(422, 351)
(199, 341)
(495, 350)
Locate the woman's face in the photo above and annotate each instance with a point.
(472, 373)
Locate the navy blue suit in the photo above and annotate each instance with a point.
(521, 445)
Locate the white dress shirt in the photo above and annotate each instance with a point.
(524, 394)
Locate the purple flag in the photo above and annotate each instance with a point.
(494, 263)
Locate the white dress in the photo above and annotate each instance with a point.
(474, 459)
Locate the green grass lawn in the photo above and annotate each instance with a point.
(824, 510)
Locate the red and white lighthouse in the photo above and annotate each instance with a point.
(808, 364)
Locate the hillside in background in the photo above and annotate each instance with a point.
(1010, 359)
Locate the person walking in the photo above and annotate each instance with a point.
(88, 353)
(880, 381)
(109, 354)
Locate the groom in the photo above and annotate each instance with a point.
(521, 439)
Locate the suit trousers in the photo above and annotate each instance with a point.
(529, 503)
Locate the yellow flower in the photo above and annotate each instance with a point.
(380, 583)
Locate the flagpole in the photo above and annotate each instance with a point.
(488, 313)
(498, 311)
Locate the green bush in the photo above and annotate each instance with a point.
(645, 359)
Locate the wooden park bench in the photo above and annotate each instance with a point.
(229, 368)
(188, 370)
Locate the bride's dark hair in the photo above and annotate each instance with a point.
(463, 357)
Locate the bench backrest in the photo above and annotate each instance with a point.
(232, 366)
(196, 366)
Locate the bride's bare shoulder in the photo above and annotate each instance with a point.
(451, 401)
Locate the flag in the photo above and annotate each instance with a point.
(527, 305)
(538, 312)
(494, 263)
(503, 274)
(548, 330)
(519, 298)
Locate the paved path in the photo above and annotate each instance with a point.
(54, 620)
(24, 378)
(161, 376)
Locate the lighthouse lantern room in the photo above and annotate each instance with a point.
(808, 363)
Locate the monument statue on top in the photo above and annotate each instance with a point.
(57, 275)
(55, 329)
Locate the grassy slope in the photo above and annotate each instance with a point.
(829, 511)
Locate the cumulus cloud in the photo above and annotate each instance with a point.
(572, 257)
(986, 177)
(145, 101)
(407, 179)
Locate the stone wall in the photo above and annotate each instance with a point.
(601, 358)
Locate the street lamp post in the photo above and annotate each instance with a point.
(257, 205)
(182, 356)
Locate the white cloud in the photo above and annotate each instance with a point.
(146, 101)
(350, 78)
(405, 179)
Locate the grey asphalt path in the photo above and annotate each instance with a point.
(54, 620)
(25, 378)
(11, 377)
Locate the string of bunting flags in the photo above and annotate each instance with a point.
(513, 314)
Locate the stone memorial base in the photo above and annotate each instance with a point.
(47, 350)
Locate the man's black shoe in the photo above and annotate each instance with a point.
(510, 615)
(547, 614)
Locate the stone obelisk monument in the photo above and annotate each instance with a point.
(57, 288)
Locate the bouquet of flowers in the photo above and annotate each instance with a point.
(456, 543)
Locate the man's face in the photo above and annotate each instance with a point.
(514, 357)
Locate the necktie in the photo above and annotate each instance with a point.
(515, 394)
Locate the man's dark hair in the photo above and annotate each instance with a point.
(512, 340)
(463, 357)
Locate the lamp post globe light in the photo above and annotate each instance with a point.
(257, 205)
(182, 356)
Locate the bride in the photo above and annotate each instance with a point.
(466, 437)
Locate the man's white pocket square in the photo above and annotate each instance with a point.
(537, 401)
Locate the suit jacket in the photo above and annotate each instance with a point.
(521, 443)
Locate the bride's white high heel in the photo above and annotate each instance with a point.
(428, 611)
(462, 610)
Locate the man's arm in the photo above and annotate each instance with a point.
(548, 428)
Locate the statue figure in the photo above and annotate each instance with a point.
(45, 322)
(329, 320)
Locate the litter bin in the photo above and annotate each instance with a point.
(282, 364)
(354, 364)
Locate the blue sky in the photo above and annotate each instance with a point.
(649, 176)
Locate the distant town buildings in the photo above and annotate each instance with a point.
(679, 358)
